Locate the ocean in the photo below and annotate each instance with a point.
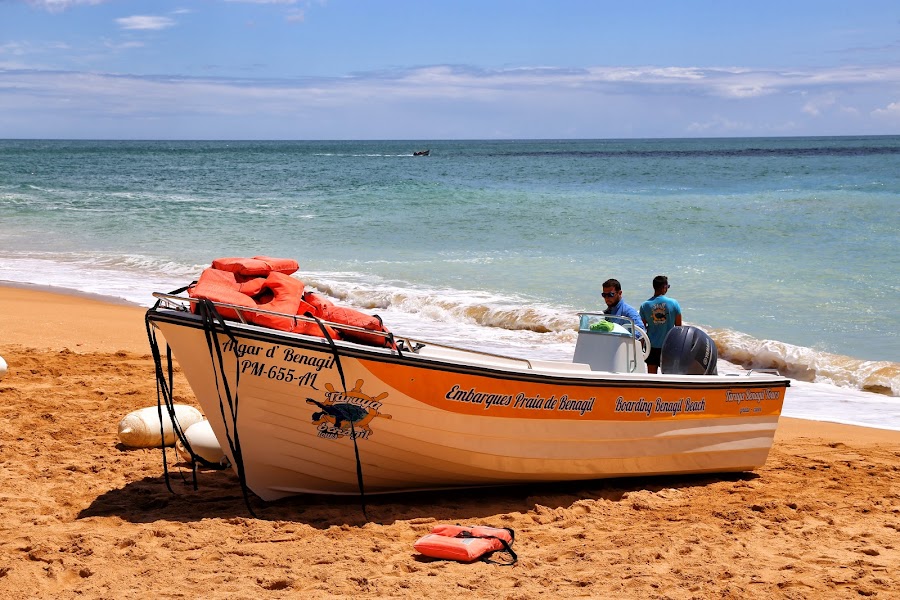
(785, 250)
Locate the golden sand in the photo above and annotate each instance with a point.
(83, 517)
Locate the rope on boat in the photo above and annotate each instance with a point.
(165, 396)
(209, 316)
(344, 414)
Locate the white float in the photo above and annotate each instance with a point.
(3, 367)
(140, 428)
(203, 442)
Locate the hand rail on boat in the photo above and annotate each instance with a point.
(415, 345)
(766, 370)
(176, 302)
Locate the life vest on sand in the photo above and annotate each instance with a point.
(265, 283)
(458, 542)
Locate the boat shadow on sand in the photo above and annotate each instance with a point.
(218, 496)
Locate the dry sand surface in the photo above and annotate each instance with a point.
(83, 517)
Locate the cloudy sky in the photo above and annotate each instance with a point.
(447, 69)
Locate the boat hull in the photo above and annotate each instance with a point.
(433, 419)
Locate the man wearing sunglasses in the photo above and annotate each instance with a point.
(612, 295)
(660, 314)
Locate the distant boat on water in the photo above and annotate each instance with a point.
(422, 152)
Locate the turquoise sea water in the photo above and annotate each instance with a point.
(785, 249)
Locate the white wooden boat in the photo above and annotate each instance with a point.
(302, 414)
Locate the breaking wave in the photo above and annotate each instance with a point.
(807, 364)
(470, 306)
(515, 314)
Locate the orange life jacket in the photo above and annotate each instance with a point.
(458, 542)
(256, 266)
(279, 293)
(265, 283)
(221, 286)
(350, 316)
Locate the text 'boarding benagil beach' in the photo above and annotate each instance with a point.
(782, 250)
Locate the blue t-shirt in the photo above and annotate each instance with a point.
(621, 309)
(659, 312)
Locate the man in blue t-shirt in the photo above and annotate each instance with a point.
(660, 315)
(612, 295)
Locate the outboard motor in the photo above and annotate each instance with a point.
(688, 350)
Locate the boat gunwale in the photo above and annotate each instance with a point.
(589, 378)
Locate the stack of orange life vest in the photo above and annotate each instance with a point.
(265, 283)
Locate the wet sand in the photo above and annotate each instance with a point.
(83, 517)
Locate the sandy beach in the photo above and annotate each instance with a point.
(83, 517)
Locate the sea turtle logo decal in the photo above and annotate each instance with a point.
(347, 413)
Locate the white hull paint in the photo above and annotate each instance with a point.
(439, 417)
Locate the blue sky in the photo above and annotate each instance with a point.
(451, 69)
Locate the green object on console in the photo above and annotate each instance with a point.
(602, 326)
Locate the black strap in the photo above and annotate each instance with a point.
(506, 546)
(340, 368)
(162, 390)
(165, 397)
(210, 317)
(165, 386)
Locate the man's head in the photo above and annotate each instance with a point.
(612, 291)
(660, 284)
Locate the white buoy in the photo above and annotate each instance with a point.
(203, 442)
(3, 367)
(140, 429)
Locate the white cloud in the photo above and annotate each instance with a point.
(828, 105)
(815, 107)
(719, 125)
(13, 48)
(296, 16)
(123, 45)
(459, 101)
(891, 111)
(145, 22)
(55, 6)
(27, 54)
(435, 81)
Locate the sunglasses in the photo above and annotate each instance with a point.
(608, 294)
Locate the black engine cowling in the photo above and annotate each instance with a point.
(688, 350)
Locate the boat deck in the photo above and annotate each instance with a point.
(476, 358)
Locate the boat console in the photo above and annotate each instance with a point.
(611, 343)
